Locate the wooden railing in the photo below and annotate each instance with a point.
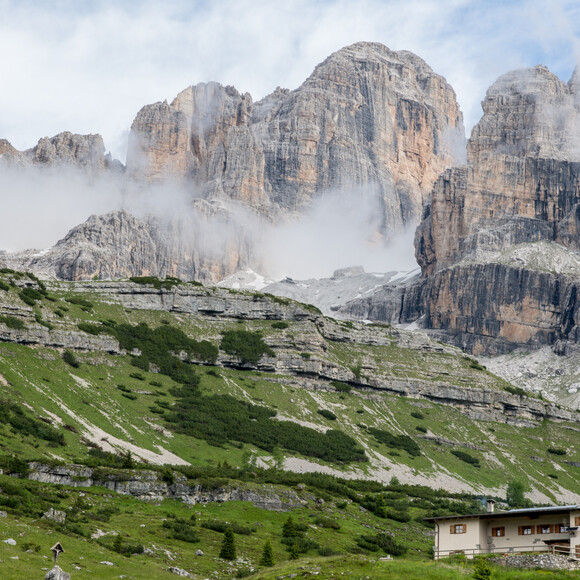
(511, 551)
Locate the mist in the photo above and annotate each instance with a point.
(41, 204)
(341, 229)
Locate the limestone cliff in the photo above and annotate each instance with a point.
(86, 152)
(498, 245)
(119, 245)
(367, 116)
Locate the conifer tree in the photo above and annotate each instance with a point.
(228, 550)
(289, 528)
(267, 555)
(294, 551)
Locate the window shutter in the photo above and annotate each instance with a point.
(464, 528)
(520, 530)
(577, 521)
(533, 531)
(452, 529)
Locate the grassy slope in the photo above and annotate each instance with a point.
(90, 396)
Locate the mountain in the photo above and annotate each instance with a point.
(366, 117)
(498, 242)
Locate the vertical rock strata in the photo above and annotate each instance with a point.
(366, 117)
(498, 245)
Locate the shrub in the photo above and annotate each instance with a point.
(248, 346)
(4, 286)
(341, 387)
(69, 358)
(167, 284)
(221, 527)
(326, 522)
(12, 322)
(466, 457)
(181, 529)
(381, 541)
(482, 569)
(516, 390)
(327, 414)
(417, 415)
(396, 441)
(79, 301)
(556, 451)
(280, 325)
(421, 428)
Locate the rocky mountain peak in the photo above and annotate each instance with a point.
(366, 116)
(528, 113)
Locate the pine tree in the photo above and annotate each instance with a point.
(228, 551)
(294, 551)
(267, 555)
(289, 528)
(482, 570)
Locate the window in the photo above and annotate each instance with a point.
(561, 528)
(498, 532)
(525, 530)
(546, 529)
(458, 529)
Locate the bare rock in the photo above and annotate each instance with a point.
(57, 574)
(367, 116)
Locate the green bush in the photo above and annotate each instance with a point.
(167, 284)
(341, 387)
(556, 451)
(222, 419)
(4, 286)
(280, 325)
(327, 414)
(381, 541)
(12, 322)
(482, 569)
(466, 457)
(181, 529)
(396, 441)
(79, 301)
(14, 415)
(417, 415)
(69, 358)
(221, 527)
(248, 346)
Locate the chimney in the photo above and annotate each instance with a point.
(490, 506)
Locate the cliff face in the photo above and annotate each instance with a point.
(119, 245)
(498, 245)
(521, 183)
(367, 116)
(86, 152)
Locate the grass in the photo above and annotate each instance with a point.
(106, 401)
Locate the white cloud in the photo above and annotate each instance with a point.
(89, 67)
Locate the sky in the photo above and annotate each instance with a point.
(88, 66)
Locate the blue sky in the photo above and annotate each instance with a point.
(89, 66)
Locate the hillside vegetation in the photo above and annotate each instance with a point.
(183, 391)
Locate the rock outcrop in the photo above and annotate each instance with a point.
(86, 152)
(149, 486)
(366, 117)
(498, 245)
(119, 245)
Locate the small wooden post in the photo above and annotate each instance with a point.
(56, 550)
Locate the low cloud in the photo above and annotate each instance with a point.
(341, 229)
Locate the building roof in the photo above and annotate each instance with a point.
(509, 513)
